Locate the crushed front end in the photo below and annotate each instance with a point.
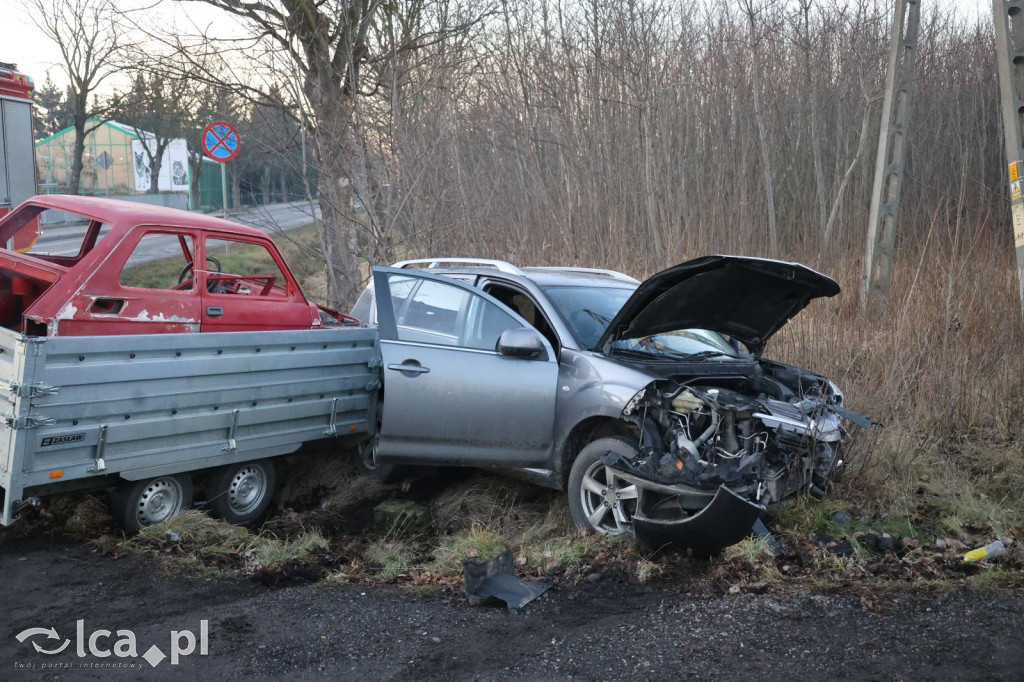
(714, 456)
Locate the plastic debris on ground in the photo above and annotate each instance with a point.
(496, 579)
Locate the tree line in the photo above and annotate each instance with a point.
(627, 133)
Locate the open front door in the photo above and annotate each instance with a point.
(449, 396)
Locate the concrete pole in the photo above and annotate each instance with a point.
(1008, 17)
(879, 250)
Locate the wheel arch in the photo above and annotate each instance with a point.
(586, 431)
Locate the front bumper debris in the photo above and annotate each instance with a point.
(726, 520)
(496, 579)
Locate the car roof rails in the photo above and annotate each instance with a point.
(430, 263)
(614, 274)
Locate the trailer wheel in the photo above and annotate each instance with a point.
(138, 504)
(241, 493)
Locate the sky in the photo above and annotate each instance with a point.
(23, 44)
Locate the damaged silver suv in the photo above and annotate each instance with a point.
(648, 402)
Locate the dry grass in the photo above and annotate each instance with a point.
(486, 515)
(939, 363)
(197, 531)
(327, 481)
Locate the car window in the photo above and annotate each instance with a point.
(160, 260)
(427, 311)
(485, 324)
(435, 308)
(243, 268)
(363, 309)
(527, 309)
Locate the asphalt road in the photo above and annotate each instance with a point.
(65, 240)
(603, 630)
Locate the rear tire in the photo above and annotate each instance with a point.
(599, 501)
(241, 493)
(365, 456)
(139, 504)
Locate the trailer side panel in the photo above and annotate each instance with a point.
(143, 406)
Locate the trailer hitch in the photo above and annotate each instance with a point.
(22, 505)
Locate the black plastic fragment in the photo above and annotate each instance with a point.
(496, 579)
(761, 531)
(856, 418)
(726, 520)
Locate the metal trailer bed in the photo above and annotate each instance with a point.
(85, 412)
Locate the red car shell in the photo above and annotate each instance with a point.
(93, 292)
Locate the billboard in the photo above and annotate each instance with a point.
(174, 175)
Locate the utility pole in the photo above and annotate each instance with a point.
(892, 140)
(1008, 16)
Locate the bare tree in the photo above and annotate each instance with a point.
(339, 53)
(87, 34)
(762, 130)
(157, 108)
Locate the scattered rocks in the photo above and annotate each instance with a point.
(878, 542)
(841, 518)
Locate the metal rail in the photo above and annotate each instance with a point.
(614, 274)
(500, 265)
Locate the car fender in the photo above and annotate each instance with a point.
(591, 386)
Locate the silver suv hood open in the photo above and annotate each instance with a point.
(748, 299)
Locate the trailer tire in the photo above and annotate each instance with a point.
(139, 504)
(241, 493)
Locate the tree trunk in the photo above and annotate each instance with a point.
(266, 185)
(283, 178)
(197, 191)
(156, 162)
(77, 152)
(333, 151)
(762, 136)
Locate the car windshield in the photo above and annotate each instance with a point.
(589, 310)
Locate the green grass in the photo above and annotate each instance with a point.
(391, 559)
(268, 552)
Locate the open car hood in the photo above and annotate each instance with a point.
(748, 299)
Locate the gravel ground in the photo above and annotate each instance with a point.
(599, 630)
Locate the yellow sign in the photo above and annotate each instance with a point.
(1014, 175)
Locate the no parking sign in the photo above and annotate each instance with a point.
(221, 141)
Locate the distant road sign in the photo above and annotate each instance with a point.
(221, 141)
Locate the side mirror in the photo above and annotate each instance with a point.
(522, 342)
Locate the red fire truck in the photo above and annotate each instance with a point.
(17, 153)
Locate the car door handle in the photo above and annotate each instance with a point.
(214, 310)
(409, 368)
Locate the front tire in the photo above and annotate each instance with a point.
(140, 504)
(241, 493)
(599, 500)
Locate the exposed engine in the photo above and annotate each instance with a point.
(761, 439)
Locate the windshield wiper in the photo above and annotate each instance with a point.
(597, 316)
(704, 354)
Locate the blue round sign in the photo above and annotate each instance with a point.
(221, 141)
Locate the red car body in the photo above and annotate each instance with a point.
(94, 291)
